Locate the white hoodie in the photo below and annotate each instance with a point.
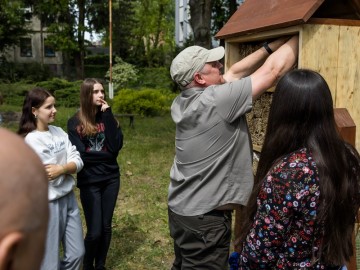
(53, 147)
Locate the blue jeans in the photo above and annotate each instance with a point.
(98, 201)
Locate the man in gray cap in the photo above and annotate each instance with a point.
(212, 169)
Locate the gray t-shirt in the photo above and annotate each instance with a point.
(213, 161)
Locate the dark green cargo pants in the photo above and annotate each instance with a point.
(201, 242)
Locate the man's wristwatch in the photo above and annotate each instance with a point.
(267, 48)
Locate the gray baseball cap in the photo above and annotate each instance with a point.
(191, 60)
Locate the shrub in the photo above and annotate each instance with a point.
(145, 102)
(123, 74)
(96, 66)
(13, 72)
(55, 84)
(13, 94)
(66, 93)
(96, 60)
(68, 97)
(95, 71)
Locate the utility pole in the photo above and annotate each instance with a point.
(111, 89)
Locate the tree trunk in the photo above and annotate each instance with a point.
(200, 21)
(79, 58)
(42, 43)
(68, 70)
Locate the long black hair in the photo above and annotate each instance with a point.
(33, 99)
(302, 115)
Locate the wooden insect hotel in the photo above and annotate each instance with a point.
(329, 43)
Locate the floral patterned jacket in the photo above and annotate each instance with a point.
(285, 234)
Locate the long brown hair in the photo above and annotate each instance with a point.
(88, 110)
(302, 115)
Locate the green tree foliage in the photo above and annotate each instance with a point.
(123, 24)
(13, 22)
(122, 73)
(154, 32)
(156, 78)
(221, 13)
(98, 15)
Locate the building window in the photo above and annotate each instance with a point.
(28, 13)
(25, 47)
(48, 50)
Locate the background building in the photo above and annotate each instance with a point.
(33, 49)
(182, 21)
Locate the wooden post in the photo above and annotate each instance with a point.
(347, 129)
(238, 216)
(111, 89)
(345, 125)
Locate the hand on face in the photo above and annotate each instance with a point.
(104, 105)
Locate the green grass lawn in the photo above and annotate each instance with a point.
(140, 233)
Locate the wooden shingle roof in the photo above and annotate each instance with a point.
(254, 16)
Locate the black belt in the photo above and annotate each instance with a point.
(219, 213)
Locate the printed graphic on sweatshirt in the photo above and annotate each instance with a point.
(57, 146)
(97, 142)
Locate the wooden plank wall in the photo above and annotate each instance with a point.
(348, 86)
(334, 52)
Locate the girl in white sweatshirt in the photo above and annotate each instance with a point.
(60, 159)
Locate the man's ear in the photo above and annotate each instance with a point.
(8, 246)
(199, 79)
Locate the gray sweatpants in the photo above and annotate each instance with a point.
(64, 230)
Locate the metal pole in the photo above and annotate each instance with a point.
(111, 90)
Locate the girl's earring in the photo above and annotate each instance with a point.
(35, 116)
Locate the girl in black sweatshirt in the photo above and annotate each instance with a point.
(97, 136)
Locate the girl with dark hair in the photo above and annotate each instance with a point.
(305, 201)
(61, 159)
(98, 138)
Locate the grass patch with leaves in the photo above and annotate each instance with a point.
(140, 233)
